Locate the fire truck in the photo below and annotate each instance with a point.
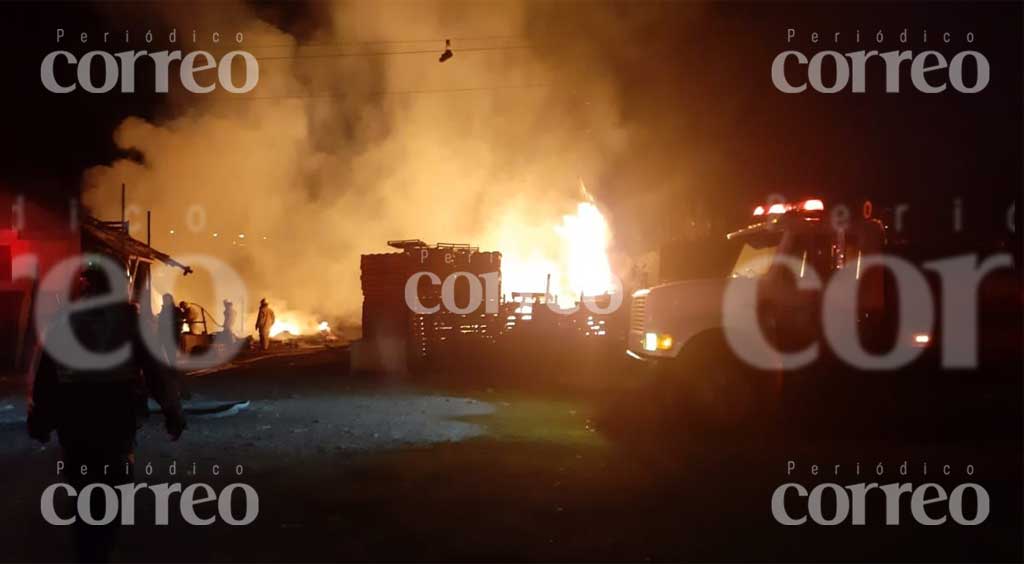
(749, 323)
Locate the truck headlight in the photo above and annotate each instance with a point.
(657, 342)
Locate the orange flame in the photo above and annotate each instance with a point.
(576, 257)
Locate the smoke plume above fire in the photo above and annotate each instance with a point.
(356, 134)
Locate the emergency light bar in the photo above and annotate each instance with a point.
(776, 209)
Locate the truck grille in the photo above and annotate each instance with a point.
(636, 313)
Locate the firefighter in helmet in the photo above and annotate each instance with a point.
(264, 321)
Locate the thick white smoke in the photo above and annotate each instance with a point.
(331, 156)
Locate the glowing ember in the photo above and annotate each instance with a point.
(282, 326)
(291, 322)
(324, 327)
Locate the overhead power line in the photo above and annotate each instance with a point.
(385, 92)
(439, 40)
(386, 53)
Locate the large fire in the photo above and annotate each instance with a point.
(293, 323)
(586, 236)
(573, 253)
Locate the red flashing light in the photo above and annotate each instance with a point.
(780, 208)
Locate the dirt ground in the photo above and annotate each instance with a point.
(364, 468)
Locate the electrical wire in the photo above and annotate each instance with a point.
(385, 53)
(440, 40)
(433, 51)
(385, 93)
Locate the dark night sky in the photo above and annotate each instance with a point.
(706, 86)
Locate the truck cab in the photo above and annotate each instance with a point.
(787, 262)
(783, 244)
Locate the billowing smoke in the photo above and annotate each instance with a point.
(341, 147)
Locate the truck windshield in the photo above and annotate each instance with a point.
(716, 257)
(755, 255)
